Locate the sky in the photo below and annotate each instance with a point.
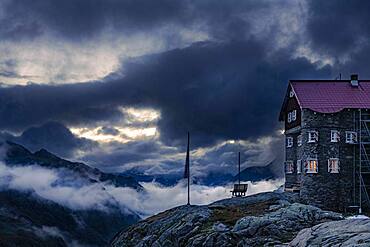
(118, 84)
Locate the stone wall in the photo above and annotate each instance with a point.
(328, 190)
(292, 179)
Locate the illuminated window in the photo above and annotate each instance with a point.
(291, 94)
(333, 165)
(299, 166)
(299, 140)
(351, 137)
(313, 136)
(289, 167)
(289, 142)
(311, 166)
(334, 136)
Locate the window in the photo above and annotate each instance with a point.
(289, 142)
(299, 140)
(299, 166)
(313, 136)
(289, 167)
(334, 136)
(292, 116)
(333, 165)
(291, 94)
(311, 166)
(351, 137)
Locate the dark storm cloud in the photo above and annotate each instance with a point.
(337, 27)
(217, 91)
(117, 156)
(22, 106)
(229, 90)
(52, 136)
(78, 19)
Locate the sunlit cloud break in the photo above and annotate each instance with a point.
(136, 124)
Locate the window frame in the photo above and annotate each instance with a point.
(292, 116)
(337, 164)
(334, 136)
(299, 140)
(299, 166)
(353, 137)
(307, 166)
(315, 137)
(289, 164)
(289, 141)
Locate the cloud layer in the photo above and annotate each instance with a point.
(78, 194)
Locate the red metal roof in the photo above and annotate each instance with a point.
(332, 96)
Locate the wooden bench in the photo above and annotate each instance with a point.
(292, 189)
(239, 190)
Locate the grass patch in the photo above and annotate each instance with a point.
(229, 215)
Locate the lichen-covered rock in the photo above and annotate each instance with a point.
(282, 224)
(262, 219)
(354, 232)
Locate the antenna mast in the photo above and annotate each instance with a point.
(239, 167)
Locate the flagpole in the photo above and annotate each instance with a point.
(188, 156)
(239, 167)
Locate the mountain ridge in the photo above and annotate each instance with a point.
(16, 154)
(29, 219)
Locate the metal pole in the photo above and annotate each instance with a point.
(188, 169)
(359, 140)
(355, 124)
(239, 168)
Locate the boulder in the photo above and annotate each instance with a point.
(350, 232)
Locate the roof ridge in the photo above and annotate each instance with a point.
(314, 80)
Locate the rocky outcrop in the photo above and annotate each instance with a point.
(355, 232)
(264, 219)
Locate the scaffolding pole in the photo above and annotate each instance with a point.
(360, 165)
(363, 160)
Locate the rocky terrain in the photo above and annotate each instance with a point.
(269, 219)
(350, 232)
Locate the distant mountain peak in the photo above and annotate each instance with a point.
(46, 154)
(16, 154)
(14, 149)
(257, 173)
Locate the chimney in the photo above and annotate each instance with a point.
(354, 80)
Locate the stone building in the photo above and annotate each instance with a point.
(327, 142)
